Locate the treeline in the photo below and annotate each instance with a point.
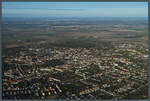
(82, 42)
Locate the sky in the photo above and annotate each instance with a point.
(74, 9)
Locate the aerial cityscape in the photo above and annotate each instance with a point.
(74, 50)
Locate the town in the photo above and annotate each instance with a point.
(35, 72)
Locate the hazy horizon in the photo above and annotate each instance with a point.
(74, 9)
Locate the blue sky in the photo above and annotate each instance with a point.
(74, 9)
